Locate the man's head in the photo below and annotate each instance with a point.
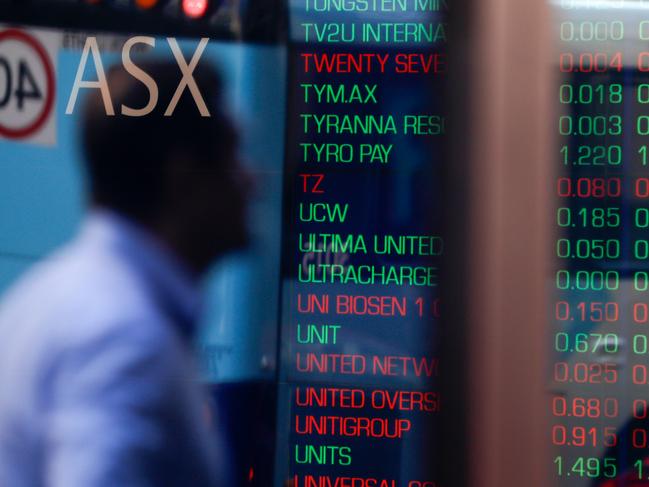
(177, 175)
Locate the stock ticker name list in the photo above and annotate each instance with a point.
(363, 256)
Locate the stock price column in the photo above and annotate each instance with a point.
(600, 371)
(361, 248)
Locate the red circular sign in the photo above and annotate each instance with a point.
(20, 133)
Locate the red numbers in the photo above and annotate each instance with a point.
(586, 373)
(643, 62)
(640, 409)
(590, 62)
(639, 375)
(640, 312)
(583, 407)
(641, 188)
(639, 438)
(594, 311)
(583, 436)
(589, 187)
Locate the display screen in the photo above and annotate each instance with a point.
(42, 200)
(318, 342)
(357, 400)
(600, 366)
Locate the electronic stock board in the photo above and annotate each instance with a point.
(319, 340)
(599, 362)
(357, 400)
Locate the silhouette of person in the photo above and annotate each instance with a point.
(98, 386)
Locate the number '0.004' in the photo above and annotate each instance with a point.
(590, 62)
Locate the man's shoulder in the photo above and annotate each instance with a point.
(77, 292)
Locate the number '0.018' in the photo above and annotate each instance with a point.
(586, 94)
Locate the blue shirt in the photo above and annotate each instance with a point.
(98, 387)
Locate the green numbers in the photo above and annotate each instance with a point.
(596, 125)
(608, 217)
(592, 155)
(585, 280)
(586, 342)
(589, 467)
(586, 94)
(589, 31)
(596, 249)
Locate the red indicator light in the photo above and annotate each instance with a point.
(195, 8)
(251, 474)
(146, 4)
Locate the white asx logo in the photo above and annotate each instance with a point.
(187, 81)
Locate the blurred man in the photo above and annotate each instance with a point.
(97, 383)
